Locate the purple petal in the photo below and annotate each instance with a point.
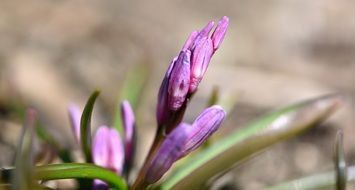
(201, 57)
(220, 32)
(204, 33)
(179, 81)
(128, 121)
(116, 151)
(207, 29)
(162, 104)
(107, 150)
(130, 135)
(168, 153)
(74, 117)
(190, 40)
(100, 146)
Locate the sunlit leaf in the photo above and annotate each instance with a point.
(246, 142)
(85, 126)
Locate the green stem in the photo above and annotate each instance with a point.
(140, 181)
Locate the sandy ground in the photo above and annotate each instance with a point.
(53, 52)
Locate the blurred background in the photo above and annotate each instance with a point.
(56, 52)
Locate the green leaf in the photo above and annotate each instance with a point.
(85, 126)
(318, 181)
(132, 90)
(79, 170)
(339, 162)
(75, 170)
(246, 142)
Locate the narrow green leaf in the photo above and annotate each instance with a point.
(246, 142)
(85, 126)
(339, 162)
(132, 90)
(75, 170)
(22, 178)
(318, 181)
(80, 170)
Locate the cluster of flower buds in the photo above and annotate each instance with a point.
(109, 150)
(184, 139)
(187, 69)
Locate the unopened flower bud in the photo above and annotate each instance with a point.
(107, 149)
(187, 70)
(205, 125)
(184, 139)
(169, 152)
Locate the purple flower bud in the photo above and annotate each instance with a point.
(219, 33)
(196, 52)
(107, 149)
(129, 133)
(184, 139)
(179, 81)
(162, 105)
(74, 117)
(205, 125)
(168, 153)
